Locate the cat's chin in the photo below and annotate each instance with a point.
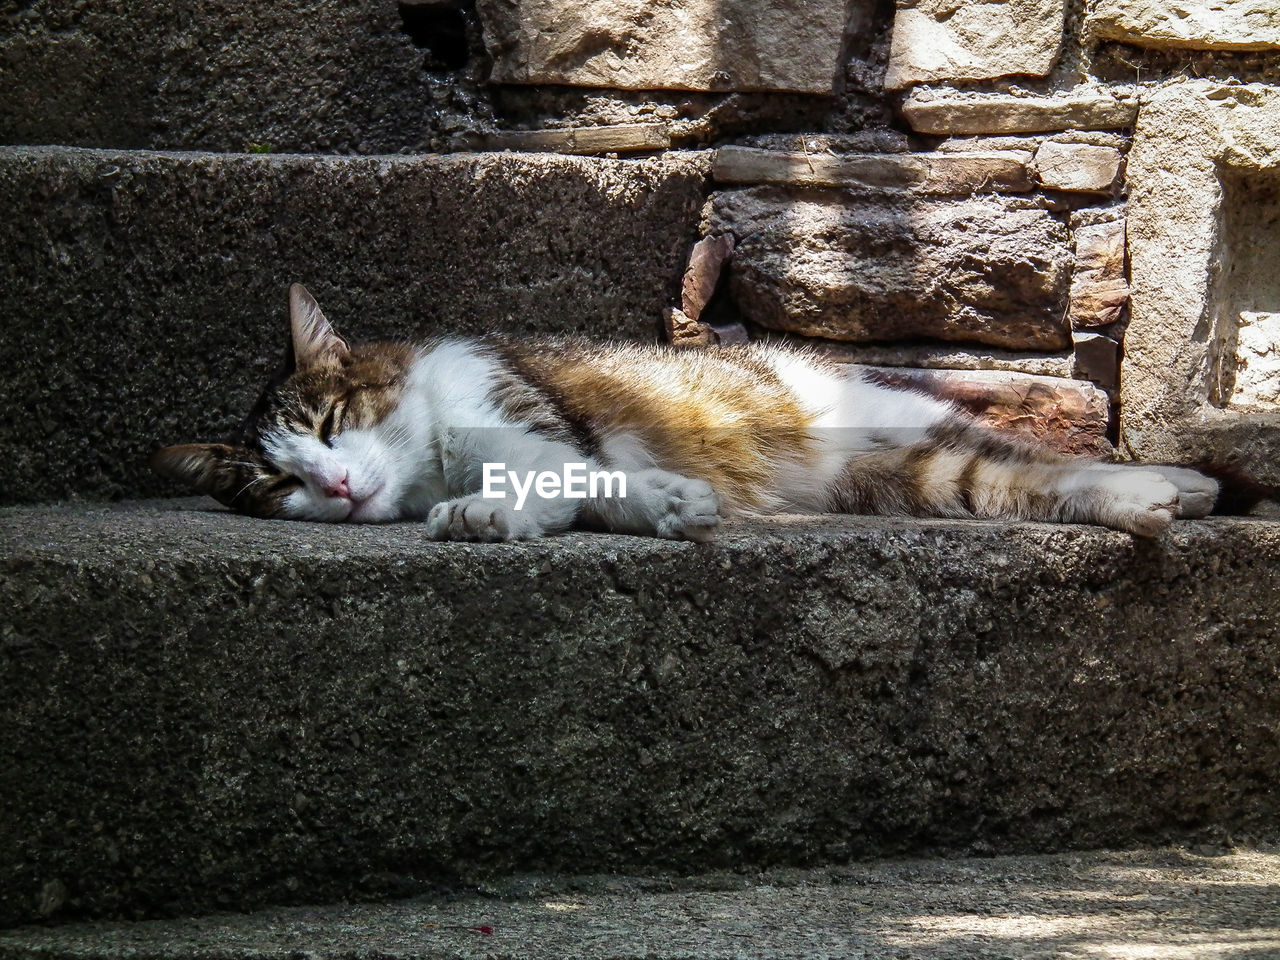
(377, 509)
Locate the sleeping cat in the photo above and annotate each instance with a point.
(380, 432)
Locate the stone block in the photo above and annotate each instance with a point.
(620, 138)
(1204, 182)
(1097, 359)
(1069, 415)
(1257, 361)
(860, 141)
(192, 699)
(946, 357)
(1099, 290)
(942, 40)
(767, 45)
(949, 112)
(299, 76)
(930, 173)
(991, 270)
(1188, 24)
(702, 275)
(1021, 146)
(835, 911)
(1078, 167)
(684, 331)
(144, 293)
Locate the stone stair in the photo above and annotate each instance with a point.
(592, 745)
(147, 290)
(1170, 903)
(205, 711)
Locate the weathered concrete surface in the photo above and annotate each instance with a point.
(993, 270)
(778, 45)
(1179, 24)
(1204, 168)
(144, 294)
(939, 41)
(295, 75)
(203, 710)
(1170, 903)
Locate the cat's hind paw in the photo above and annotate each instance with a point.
(1197, 493)
(478, 519)
(1141, 501)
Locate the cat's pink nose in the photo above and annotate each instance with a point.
(338, 488)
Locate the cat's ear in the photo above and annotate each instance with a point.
(216, 469)
(314, 341)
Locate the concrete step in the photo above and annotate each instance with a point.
(288, 76)
(201, 710)
(1170, 903)
(144, 294)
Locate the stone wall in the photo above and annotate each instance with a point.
(1039, 187)
(985, 213)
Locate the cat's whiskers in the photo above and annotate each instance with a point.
(256, 480)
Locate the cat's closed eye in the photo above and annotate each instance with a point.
(331, 424)
(284, 483)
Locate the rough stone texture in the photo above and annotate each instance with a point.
(951, 112)
(1182, 24)
(684, 331)
(296, 75)
(1174, 904)
(1092, 216)
(1204, 180)
(208, 710)
(702, 275)
(944, 357)
(1069, 415)
(731, 334)
(1257, 374)
(779, 45)
(1030, 143)
(927, 173)
(144, 294)
(861, 141)
(990, 270)
(1097, 359)
(1078, 167)
(1099, 290)
(1020, 146)
(943, 41)
(620, 138)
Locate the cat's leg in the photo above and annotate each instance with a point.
(496, 471)
(962, 470)
(657, 503)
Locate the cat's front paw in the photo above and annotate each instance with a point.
(478, 519)
(1143, 502)
(687, 509)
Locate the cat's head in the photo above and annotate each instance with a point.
(323, 441)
